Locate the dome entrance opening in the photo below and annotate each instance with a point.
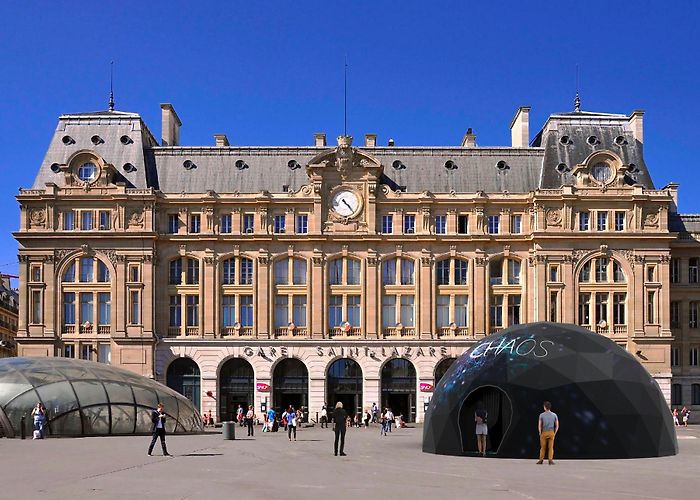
(499, 413)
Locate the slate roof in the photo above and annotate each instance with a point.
(689, 223)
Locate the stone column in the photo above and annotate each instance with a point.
(262, 295)
(372, 297)
(481, 299)
(50, 315)
(425, 303)
(209, 295)
(317, 327)
(147, 294)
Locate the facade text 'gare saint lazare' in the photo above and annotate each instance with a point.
(310, 274)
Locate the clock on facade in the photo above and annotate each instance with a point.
(346, 203)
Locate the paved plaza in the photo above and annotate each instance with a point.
(269, 466)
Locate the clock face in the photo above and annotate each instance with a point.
(345, 203)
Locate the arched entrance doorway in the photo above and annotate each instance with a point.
(399, 388)
(344, 384)
(499, 414)
(183, 377)
(290, 385)
(442, 368)
(236, 387)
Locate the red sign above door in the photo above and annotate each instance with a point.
(424, 387)
(262, 387)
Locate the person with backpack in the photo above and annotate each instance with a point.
(482, 430)
(249, 419)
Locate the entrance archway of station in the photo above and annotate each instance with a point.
(290, 385)
(236, 387)
(442, 368)
(183, 376)
(499, 414)
(399, 388)
(344, 384)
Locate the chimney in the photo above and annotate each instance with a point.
(370, 140)
(520, 128)
(221, 140)
(390, 143)
(469, 140)
(636, 122)
(320, 140)
(170, 125)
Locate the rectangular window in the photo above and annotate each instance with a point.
(619, 316)
(675, 314)
(195, 223)
(388, 311)
(246, 272)
(173, 223)
(389, 272)
(299, 310)
(675, 270)
(280, 223)
(86, 309)
(69, 308)
(69, 220)
(175, 272)
(387, 224)
(496, 311)
(86, 352)
(554, 306)
(102, 272)
(493, 223)
(442, 272)
(69, 351)
(601, 308)
(192, 310)
(513, 310)
(619, 221)
(513, 272)
(281, 311)
(692, 315)
(104, 308)
(463, 224)
(602, 221)
(226, 223)
(584, 309)
(554, 273)
(693, 270)
(228, 310)
(675, 356)
(192, 275)
(246, 310)
(335, 272)
(335, 311)
(134, 273)
(407, 272)
(104, 354)
(35, 273)
(409, 224)
(302, 224)
(134, 307)
(651, 308)
(86, 220)
(36, 307)
(281, 272)
(440, 224)
(175, 311)
(248, 223)
(676, 394)
(693, 356)
(443, 311)
(354, 310)
(651, 274)
(353, 271)
(461, 310)
(105, 220)
(407, 310)
(298, 272)
(583, 221)
(601, 270)
(516, 224)
(461, 272)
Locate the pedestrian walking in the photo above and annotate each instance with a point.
(375, 413)
(389, 419)
(482, 430)
(39, 417)
(249, 420)
(239, 415)
(547, 426)
(675, 417)
(339, 416)
(324, 416)
(158, 429)
(368, 418)
(685, 416)
(291, 423)
(382, 421)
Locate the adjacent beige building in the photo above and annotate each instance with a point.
(354, 272)
(9, 308)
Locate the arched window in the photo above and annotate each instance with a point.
(290, 271)
(344, 302)
(236, 313)
(183, 376)
(290, 311)
(398, 271)
(602, 296)
(86, 298)
(505, 293)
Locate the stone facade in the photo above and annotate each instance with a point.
(9, 308)
(144, 254)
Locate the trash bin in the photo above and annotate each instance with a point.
(229, 430)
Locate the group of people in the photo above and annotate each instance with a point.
(682, 417)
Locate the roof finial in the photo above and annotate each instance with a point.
(577, 100)
(111, 88)
(345, 96)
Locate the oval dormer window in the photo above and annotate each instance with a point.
(601, 172)
(87, 172)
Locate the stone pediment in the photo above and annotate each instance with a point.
(344, 159)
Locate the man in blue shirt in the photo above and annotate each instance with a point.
(548, 426)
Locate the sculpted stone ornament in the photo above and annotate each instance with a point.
(553, 217)
(344, 155)
(37, 217)
(135, 218)
(651, 219)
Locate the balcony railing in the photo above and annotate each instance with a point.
(458, 331)
(340, 332)
(607, 329)
(86, 329)
(68, 329)
(234, 331)
(297, 331)
(103, 329)
(191, 331)
(173, 331)
(400, 331)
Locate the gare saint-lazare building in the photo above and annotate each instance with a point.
(344, 271)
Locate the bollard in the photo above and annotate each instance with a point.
(229, 430)
(22, 431)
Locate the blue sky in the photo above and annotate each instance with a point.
(419, 72)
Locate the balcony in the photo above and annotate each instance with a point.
(237, 331)
(345, 332)
(399, 331)
(173, 331)
(86, 329)
(191, 331)
(495, 329)
(291, 331)
(453, 331)
(103, 329)
(68, 329)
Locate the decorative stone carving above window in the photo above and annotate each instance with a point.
(135, 218)
(553, 217)
(37, 217)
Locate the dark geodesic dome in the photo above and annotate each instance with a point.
(84, 398)
(608, 405)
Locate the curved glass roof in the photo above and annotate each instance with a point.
(85, 398)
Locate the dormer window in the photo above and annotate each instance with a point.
(87, 172)
(601, 172)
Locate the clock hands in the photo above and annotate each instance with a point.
(346, 203)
